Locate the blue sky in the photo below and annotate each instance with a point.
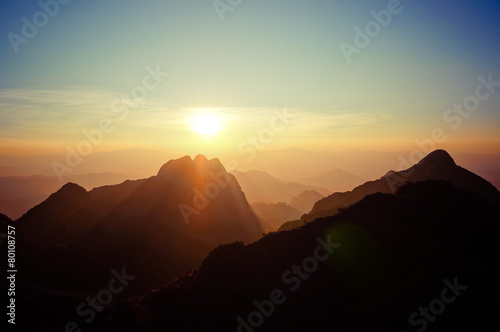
(263, 55)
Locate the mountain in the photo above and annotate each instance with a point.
(334, 180)
(135, 163)
(378, 265)
(273, 215)
(264, 188)
(20, 193)
(305, 200)
(437, 165)
(493, 176)
(160, 227)
(4, 219)
(290, 163)
(485, 165)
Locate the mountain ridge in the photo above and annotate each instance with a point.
(437, 165)
(145, 215)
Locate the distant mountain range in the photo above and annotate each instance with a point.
(335, 180)
(134, 163)
(438, 165)
(273, 215)
(261, 187)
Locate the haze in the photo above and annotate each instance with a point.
(263, 57)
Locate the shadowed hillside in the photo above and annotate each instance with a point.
(159, 227)
(261, 187)
(376, 263)
(438, 165)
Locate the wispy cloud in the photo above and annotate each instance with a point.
(61, 114)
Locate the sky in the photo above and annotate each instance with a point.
(210, 77)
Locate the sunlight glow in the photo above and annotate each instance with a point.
(206, 123)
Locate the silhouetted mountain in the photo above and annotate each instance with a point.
(273, 215)
(20, 193)
(438, 165)
(368, 268)
(134, 163)
(4, 219)
(485, 165)
(305, 201)
(161, 226)
(493, 176)
(261, 187)
(389, 173)
(334, 180)
(49, 221)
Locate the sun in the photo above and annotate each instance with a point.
(206, 123)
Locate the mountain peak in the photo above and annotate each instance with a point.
(200, 160)
(71, 188)
(4, 219)
(176, 165)
(185, 165)
(389, 173)
(438, 157)
(216, 165)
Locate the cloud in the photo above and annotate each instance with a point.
(62, 114)
(334, 123)
(48, 113)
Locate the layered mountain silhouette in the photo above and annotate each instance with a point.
(4, 219)
(368, 268)
(261, 187)
(371, 265)
(306, 200)
(334, 180)
(493, 176)
(273, 215)
(438, 165)
(20, 193)
(157, 227)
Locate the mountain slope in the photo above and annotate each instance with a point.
(4, 219)
(305, 200)
(395, 251)
(20, 193)
(368, 268)
(273, 215)
(334, 180)
(161, 226)
(261, 187)
(438, 165)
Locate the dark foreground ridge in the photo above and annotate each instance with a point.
(395, 254)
